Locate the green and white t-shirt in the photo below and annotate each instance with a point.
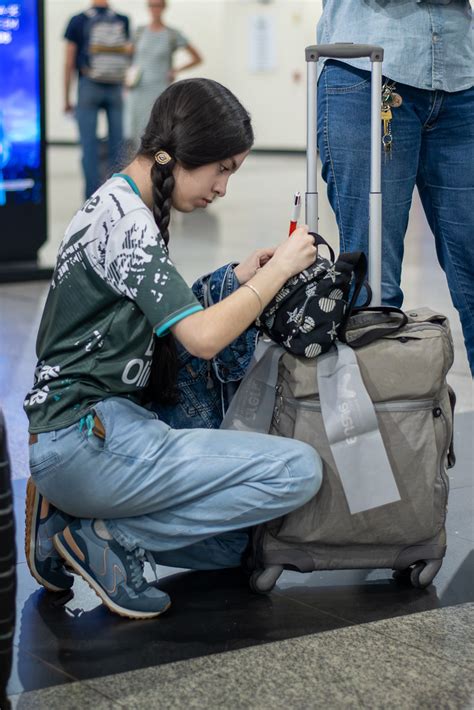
(113, 286)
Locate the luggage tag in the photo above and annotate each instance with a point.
(353, 433)
(251, 408)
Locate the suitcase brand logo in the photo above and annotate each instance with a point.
(344, 391)
(253, 401)
(347, 395)
(347, 422)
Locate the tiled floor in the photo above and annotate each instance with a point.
(349, 639)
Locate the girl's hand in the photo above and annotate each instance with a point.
(296, 253)
(249, 267)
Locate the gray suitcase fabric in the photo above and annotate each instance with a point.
(405, 376)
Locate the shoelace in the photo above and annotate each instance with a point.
(136, 563)
(152, 562)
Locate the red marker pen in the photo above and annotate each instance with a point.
(295, 213)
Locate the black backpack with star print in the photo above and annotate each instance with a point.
(313, 307)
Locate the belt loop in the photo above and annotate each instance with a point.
(54, 435)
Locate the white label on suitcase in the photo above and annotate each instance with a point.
(251, 408)
(353, 433)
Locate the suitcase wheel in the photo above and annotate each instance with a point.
(263, 581)
(419, 575)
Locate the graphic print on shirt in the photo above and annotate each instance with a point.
(87, 242)
(128, 261)
(137, 371)
(122, 262)
(113, 285)
(43, 373)
(92, 341)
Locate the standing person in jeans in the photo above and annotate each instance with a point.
(98, 49)
(429, 57)
(112, 483)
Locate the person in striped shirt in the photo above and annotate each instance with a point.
(152, 68)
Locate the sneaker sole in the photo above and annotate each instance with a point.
(78, 569)
(31, 513)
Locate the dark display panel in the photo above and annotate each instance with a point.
(22, 131)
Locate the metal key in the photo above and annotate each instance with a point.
(386, 116)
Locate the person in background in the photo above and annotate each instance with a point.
(97, 51)
(429, 141)
(152, 68)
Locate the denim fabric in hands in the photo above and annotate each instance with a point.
(205, 388)
(427, 43)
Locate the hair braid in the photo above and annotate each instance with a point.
(162, 186)
(197, 122)
(164, 367)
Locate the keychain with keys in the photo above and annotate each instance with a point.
(390, 99)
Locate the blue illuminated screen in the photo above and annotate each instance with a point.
(21, 174)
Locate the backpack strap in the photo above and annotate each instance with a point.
(321, 242)
(358, 260)
(451, 456)
(391, 320)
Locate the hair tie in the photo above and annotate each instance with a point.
(162, 157)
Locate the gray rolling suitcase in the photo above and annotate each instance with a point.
(381, 421)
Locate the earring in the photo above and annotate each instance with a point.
(162, 157)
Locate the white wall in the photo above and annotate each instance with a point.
(220, 29)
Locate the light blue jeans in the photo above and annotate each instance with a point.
(178, 493)
(433, 148)
(92, 97)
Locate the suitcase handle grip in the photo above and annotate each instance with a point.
(344, 50)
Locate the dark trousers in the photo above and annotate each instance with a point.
(7, 567)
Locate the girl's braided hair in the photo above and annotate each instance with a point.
(197, 122)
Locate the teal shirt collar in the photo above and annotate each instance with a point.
(131, 182)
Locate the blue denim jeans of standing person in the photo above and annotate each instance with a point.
(166, 490)
(91, 98)
(433, 145)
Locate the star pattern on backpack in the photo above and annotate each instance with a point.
(332, 273)
(333, 332)
(294, 316)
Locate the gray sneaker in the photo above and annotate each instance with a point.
(114, 573)
(42, 522)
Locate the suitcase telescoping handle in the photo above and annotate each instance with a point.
(347, 50)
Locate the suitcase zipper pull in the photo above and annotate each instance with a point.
(278, 405)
